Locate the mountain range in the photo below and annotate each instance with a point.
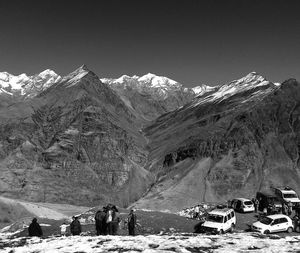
(146, 141)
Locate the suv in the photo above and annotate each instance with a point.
(242, 205)
(287, 194)
(273, 223)
(219, 221)
(267, 198)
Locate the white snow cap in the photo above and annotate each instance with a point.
(150, 79)
(156, 80)
(23, 82)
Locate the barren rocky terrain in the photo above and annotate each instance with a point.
(81, 141)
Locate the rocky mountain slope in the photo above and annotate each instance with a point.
(151, 96)
(75, 142)
(79, 140)
(227, 143)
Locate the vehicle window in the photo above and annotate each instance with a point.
(290, 195)
(275, 222)
(225, 220)
(266, 220)
(228, 217)
(232, 214)
(283, 220)
(215, 218)
(248, 203)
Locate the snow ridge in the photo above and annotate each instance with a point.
(27, 85)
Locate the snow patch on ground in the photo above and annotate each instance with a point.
(238, 242)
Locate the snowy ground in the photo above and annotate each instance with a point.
(237, 242)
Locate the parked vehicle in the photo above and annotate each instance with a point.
(287, 194)
(219, 221)
(273, 223)
(242, 205)
(267, 198)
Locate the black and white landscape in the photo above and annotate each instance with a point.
(167, 113)
(147, 140)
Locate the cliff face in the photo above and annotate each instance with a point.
(230, 143)
(76, 142)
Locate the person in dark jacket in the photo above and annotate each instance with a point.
(100, 221)
(115, 220)
(75, 226)
(35, 229)
(131, 221)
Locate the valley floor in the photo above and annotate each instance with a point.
(236, 242)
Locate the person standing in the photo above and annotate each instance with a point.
(256, 203)
(131, 220)
(115, 220)
(63, 229)
(290, 208)
(75, 226)
(283, 208)
(99, 220)
(108, 219)
(35, 229)
(197, 211)
(297, 209)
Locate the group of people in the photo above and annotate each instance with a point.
(195, 212)
(107, 222)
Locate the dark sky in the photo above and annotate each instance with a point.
(191, 41)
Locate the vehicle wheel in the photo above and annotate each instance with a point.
(266, 232)
(221, 232)
(232, 227)
(290, 230)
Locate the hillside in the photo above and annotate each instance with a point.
(86, 142)
(150, 96)
(75, 142)
(242, 138)
(12, 210)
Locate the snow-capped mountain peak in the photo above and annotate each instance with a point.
(157, 80)
(149, 80)
(27, 85)
(250, 81)
(201, 89)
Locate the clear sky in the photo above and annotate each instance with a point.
(191, 41)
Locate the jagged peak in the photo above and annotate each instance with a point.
(84, 67)
(48, 72)
(79, 73)
(254, 75)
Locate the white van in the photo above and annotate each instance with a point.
(287, 194)
(219, 221)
